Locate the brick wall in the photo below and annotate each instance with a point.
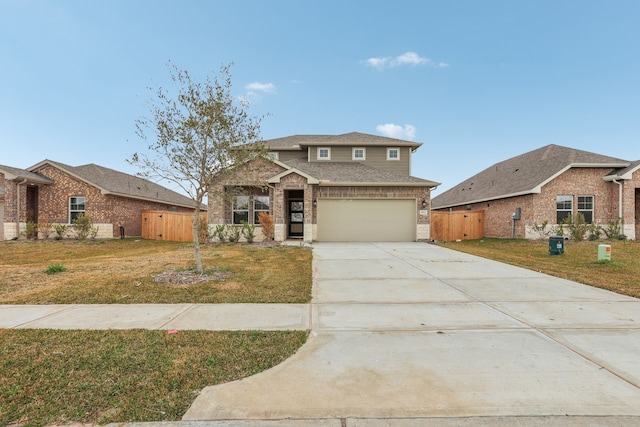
(537, 208)
(107, 210)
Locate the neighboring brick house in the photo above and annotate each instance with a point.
(549, 184)
(53, 192)
(350, 187)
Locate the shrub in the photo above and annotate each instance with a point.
(32, 230)
(613, 230)
(593, 232)
(577, 225)
(83, 227)
(44, 228)
(248, 231)
(55, 268)
(266, 222)
(61, 230)
(220, 233)
(234, 234)
(541, 229)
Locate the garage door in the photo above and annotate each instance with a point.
(366, 220)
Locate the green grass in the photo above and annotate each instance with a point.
(57, 377)
(578, 263)
(120, 271)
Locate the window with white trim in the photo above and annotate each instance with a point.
(585, 207)
(260, 204)
(359, 154)
(324, 153)
(240, 209)
(273, 154)
(564, 208)
(393, 154)
(77, 206)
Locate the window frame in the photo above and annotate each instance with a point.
(389, 150)
(274, 155)
(320, 149)
(256, 211)
(353, 153)
(77, 211)
(591, 211)
(566, 198)
(234, 209)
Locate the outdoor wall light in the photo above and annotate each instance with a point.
(315, 202)
(424, 203)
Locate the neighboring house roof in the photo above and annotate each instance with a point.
(356, 139)
(524, 174)
(351, 173)
(112, 182)
(623, 173)
(22, 175)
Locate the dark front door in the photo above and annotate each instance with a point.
(296, 218)
(32, 204)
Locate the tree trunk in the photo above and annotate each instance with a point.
(196, 239)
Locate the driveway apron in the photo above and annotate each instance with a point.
(410, 330)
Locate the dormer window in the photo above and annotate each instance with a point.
(359, 154)
(324, 153)
(393, 154)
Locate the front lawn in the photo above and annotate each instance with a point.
(121, 272)
(578, 263)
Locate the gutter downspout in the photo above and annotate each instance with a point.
(620, 205)
(18, 184)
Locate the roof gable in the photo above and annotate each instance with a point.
(523, 174)
(11, 173)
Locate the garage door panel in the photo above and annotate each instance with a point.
(366, 220)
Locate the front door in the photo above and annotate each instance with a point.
(296, 218)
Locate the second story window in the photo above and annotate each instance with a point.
(273, 154)
(393, 154)
(359, 154)
(324, 153)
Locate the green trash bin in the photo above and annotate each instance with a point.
(556, 245)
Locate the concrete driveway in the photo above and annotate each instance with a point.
(412, 330)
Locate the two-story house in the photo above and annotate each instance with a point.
(350, 187)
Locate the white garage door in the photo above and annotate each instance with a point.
(366, 220)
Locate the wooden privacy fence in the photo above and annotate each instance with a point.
(459, 225)
(172, 226)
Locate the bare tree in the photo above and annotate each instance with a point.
(195, 135)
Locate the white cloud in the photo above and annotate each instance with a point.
(407, 58)
(261, 87)
(396, 131)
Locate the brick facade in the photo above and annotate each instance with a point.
(537, 208)
(108, 212)
(244, 182)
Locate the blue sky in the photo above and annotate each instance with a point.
(476, 82)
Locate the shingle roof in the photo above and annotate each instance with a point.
(353, 138)
(110, 181)
(22, 174)
(341, 173)
(624, 173)
(524, 174)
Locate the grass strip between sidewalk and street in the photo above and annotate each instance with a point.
(98, 377)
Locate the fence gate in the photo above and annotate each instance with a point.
(172, 226)
(459, 225)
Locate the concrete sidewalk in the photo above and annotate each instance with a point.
(266, 317)
(418, 333)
